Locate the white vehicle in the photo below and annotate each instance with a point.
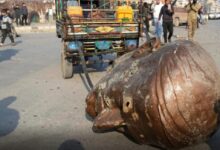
(217, 15)
(211, 15)
(214, 15)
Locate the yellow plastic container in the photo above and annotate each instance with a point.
(124, 13)
(74, 11)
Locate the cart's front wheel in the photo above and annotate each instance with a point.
(66, 67)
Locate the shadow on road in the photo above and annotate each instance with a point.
(7, 54)
(18, 42)
(71, 145)
(8, 117)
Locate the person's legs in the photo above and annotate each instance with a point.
(17, 21)
(147, 29)
(4, 35)
(22, 20)
(11, 36)
(156, 25)
(160, 27)
(147, 24)
(190, 37)
(14, 31)
(25, 19)
(165, 32)
(170, 29)
(194, 25)
(158, 36)
(160, 30)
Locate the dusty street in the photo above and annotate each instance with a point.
(39, 110)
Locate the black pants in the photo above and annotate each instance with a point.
(17, 20)
(24, 20)
(4, 35)
(198, 21)
(147, 24)
(167, 27)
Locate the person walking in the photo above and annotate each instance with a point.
(24, 13)
(147, 15)
(199, 17)
(12, 16)
(192, 9)
(6, 28)
(158, 24)
(167, 12)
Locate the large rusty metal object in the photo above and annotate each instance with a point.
(169, 98)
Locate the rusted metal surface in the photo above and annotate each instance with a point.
(169, 98)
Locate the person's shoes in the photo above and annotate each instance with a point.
(17, 35)
(169, 40)
(1, 44)
(13, 44)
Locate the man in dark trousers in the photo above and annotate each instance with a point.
(17, 14)
(167, 12)
(24, 13)
(6, 28)
(147, 14)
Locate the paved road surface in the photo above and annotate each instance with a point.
(41, 111)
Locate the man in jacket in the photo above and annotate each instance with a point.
(167, 12)
(147, 14)
(6, 28)
(192, 9)
(17, 14)
(24, 13)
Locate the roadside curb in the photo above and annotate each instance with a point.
(35, 28)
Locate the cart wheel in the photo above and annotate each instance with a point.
(66, 67)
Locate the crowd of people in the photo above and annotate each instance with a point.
(162, 17)
(18, 15)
